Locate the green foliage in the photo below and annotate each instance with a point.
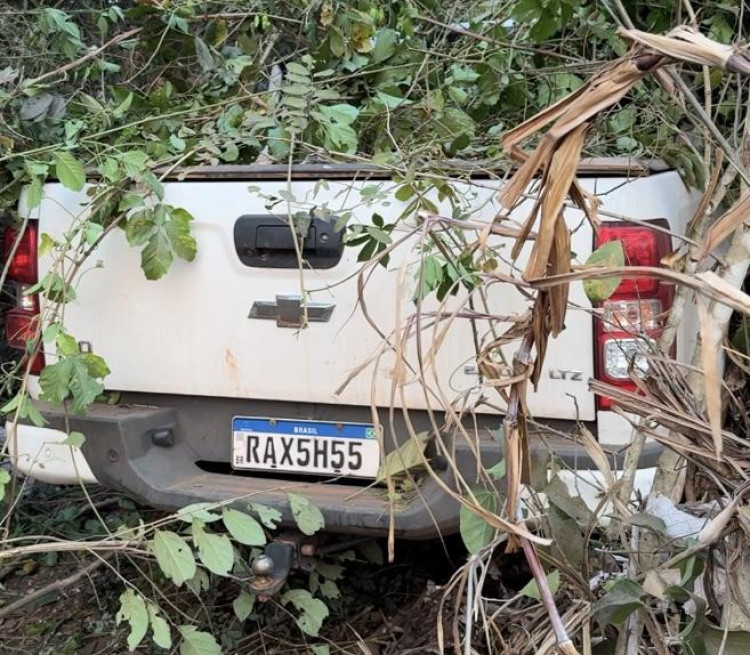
(476, 533)
(195, 642)
(313, 611)
(174, 556)
(214, 550)
(133, 610)
(531, 589)
(309, 519)
(243, 528)
(609, 255)
(243, 605)
(621, 600)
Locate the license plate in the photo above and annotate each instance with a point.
(318, 447)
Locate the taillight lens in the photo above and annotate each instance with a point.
(23, 265)
(632, 318)
(22, 322)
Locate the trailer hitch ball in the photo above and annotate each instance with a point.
(263, 566)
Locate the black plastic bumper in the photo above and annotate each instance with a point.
(157, 455)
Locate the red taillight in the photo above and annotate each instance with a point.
(22, 322)
(635, 313)
(23, 265)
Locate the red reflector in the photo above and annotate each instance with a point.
(23, 264)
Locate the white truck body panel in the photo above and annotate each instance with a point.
(189, 333)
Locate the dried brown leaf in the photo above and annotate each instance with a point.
(724, 226)
(710, 361)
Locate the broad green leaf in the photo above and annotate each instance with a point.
(159, 626)
(476, 533)
(46, 243)
(497, 471)
(385, 45)
(608, 255)
(202, 511)
(69, 170)
(133, 161)
(174, 556)
(330, 589)
(55, 381)
(372, 552)
(531, 589)
(721, 642)
(195, 642)
(140, 227)
(34, 193)
(268, 516)
(133, 610)
(341, 136)
(244, 528)
(92, 232)
(156, 257)
(313, 610)
(83, 387)
(199, 583)
(66, 345)
(178, 231)
(243, 605)
(308, 518)
(214, 550)
(619, 603)
(321, 649)
(4, 480)
(74, 439)
(297, 69)
(408, 455)
(96, 365)
(342, 113)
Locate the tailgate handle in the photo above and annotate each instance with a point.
(265, 241)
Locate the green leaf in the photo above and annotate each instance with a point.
(269, 516)
(134, 162)
(156, 257)
(195, 642)
(83, 387)
(201, 511)
(619, 603)
(531, 590)
(730, 642)
(178, 231)
(308, 518)
(313, 610)
(55, 381)
(476, 533)
(244, 528)
(133, 610)
(608, 255)
(372, 552)
(243, 605)
(174, 556)
(4, 480)
(74, 439)
(497, 471)
(69, 170)
(66, 345)
(162, 634)
(408, 455)
(200, 582)
(330, 589)
(297, 69)
(321, 649)
(214, 550)
(385, 45)
(34, 193)
(342, 113)
(140, 227)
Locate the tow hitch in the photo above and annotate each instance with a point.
(285, 554)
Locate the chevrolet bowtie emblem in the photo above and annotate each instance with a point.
(289, 311)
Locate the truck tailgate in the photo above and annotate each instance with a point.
(192, 332)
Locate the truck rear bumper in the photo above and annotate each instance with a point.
(158, 455)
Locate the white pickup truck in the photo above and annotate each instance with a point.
(223, 392)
